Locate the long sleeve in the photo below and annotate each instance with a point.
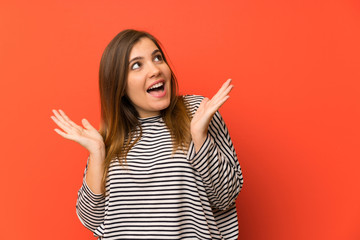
(217, 163)
(161, 195)
(90, 207)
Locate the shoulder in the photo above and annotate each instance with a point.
(192, 102)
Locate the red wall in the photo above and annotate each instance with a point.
(293, 114)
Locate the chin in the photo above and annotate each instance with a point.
(163, 105)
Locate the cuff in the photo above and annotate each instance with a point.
(89, 193)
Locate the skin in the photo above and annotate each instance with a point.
(148, 69)
(88, 137)
(200, 122)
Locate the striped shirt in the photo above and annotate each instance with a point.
(165, 195)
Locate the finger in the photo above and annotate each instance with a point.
(87, 125)
(227, 91)
(222, 95)
(220, 100)
(69, 120)
(220, 103)
(225, 88)
(222, 88)
(64, 135)
(214, 107)
(60, 118)
(64, 127)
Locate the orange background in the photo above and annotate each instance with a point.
(293, 114)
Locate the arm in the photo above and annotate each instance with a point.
(217, 163)
(212, 153)
(90, 207)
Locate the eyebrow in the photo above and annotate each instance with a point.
(138, 58)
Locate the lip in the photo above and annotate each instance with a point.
(160, 95)
(156, 82)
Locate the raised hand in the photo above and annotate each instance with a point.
(201, 119)
(87, 137)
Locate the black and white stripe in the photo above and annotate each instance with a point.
(161, 195)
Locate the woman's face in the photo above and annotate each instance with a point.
(149, 79)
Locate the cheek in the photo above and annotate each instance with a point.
(128, 87)
(167, 72)
(127, 91)
(133, 85)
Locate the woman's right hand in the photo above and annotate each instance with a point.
(87, 137)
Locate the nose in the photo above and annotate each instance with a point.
(154, 70)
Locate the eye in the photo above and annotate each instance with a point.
(158, 58)
(136, 65)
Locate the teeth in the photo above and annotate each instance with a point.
(156, 85)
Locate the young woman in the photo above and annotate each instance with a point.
(162, 166)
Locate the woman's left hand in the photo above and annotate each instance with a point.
(202, 117)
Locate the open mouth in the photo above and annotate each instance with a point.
(156, 88)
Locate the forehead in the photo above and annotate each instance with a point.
(143, 47)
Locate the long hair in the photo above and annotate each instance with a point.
(120, 126)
